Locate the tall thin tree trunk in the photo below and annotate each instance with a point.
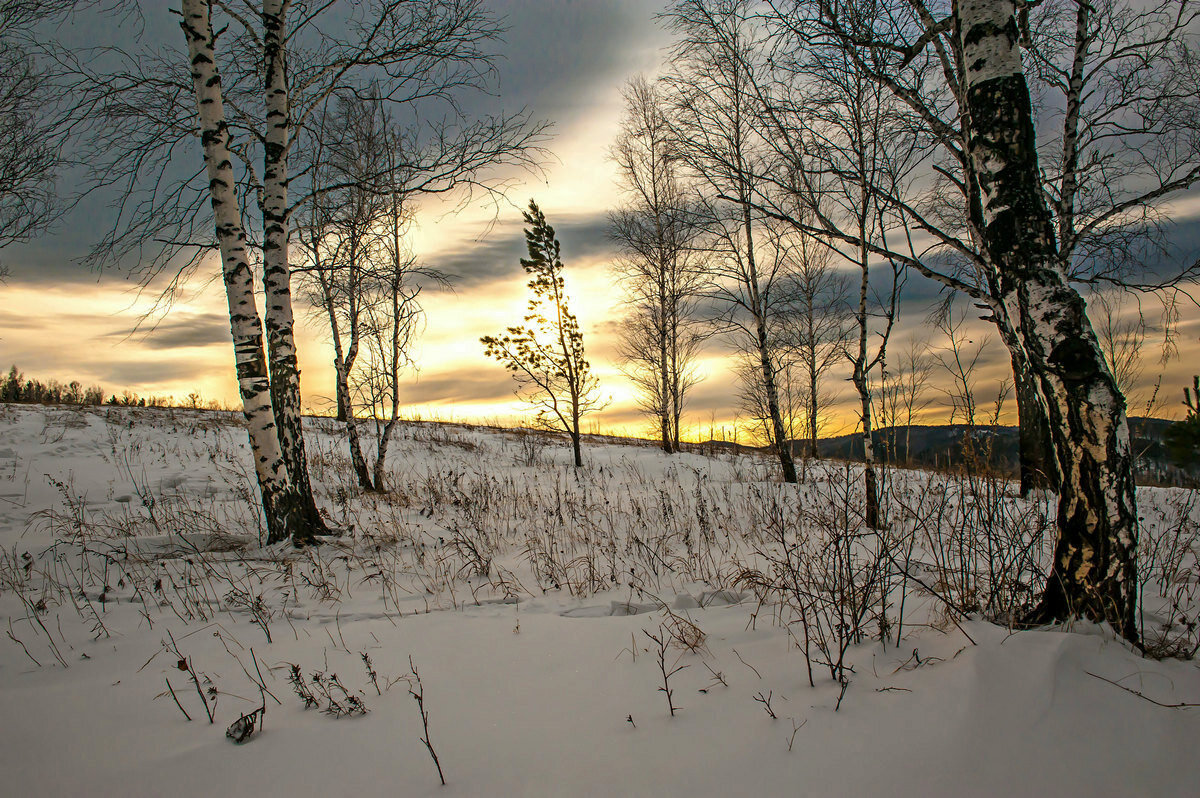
(783, 446)
(676, 378)
(861, 377)
(281, 347)
(357, 460)
(810, 362)
(870, 480)
(385, 437)
(280, 503)
(813, 448)
(343, 364)
(664, 401)
(1094, 573)
(1038, 464)
(347, 366)
(575, 433)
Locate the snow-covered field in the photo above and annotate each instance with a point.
(540, 607)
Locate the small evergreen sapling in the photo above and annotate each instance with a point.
(545, 353)
(1183, 437)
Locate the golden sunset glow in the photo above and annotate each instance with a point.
(73, 326)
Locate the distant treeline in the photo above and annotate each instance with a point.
(18, 388)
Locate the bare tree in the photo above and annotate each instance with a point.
(283, 504)
(30, 144)
(1122, 331)
(816, 326)
(340, 242)
(910, 387)
(656, 230)
(1094, 573)
(258, 99)
(394, 317)
(789, 394)
(845, 156)
(394, 311)
(546, 354)
(958, 358)
(663, 391)
(1117, 134)
(920, 53)
(712, 109)
(360, 273)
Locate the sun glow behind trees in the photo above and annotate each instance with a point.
(454, 380)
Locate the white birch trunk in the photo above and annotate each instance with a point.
(277, 315)
(253, 379)
(1094, 569)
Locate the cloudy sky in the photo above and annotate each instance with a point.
(565, 60)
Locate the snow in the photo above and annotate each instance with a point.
(530, 690)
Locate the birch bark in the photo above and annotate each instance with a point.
(281, 347)
(1093, 574)
(253, 380)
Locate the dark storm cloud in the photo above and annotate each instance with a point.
(556, 57)
(498, 256)
(558, 53)
(175, 333)
(137, 372)
(50, 261)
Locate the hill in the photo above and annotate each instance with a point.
(681, 625)
(941, 446)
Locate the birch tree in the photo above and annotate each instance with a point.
(656, 231)
(396, 280)
(282, 501)
(283, 63)
(839, 155)
(340, 242)
(1094, 572)
(1116, 134)
(710, 89)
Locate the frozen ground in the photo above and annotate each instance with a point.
(526, 596)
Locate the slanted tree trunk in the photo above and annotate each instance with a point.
(281, 504)
(281, 347)
(1094, 570)
(1038, 465)
(357, 460)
